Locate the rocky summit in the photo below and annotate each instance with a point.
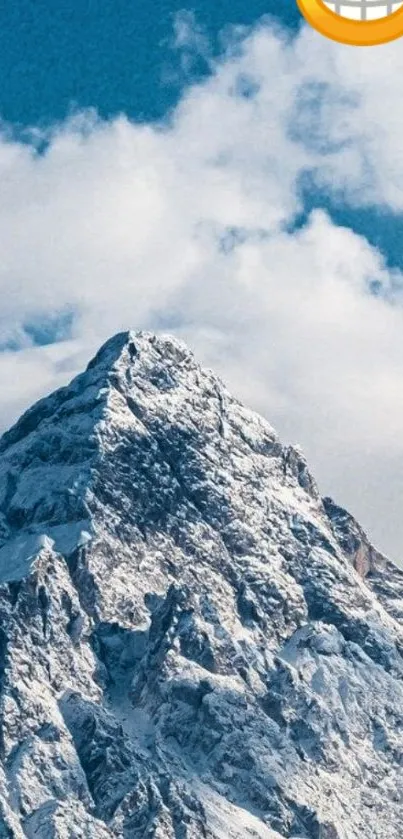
(194, 644)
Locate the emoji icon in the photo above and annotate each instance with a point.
(361, 23)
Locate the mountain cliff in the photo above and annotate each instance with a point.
(193, 643)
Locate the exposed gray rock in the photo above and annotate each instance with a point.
(192, 642)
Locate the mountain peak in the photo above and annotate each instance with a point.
(114, 356)
(193, 642)
(124, 347)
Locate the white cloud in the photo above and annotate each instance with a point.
(134, 225)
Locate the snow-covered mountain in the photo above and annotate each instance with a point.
(193, 642)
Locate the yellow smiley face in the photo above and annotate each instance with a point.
(361, 23)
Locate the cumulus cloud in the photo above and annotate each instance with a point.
(189, 227)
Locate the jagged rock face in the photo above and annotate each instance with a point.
(192, 643)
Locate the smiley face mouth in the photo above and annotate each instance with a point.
(363, 9)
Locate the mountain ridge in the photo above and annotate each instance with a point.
(191, 638)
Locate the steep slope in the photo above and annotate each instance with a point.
(193, 643)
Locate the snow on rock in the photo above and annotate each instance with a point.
(193, 643)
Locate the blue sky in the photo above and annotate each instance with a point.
(234, 178)
(115, 55)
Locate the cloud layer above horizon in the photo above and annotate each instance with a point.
(190, 227)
